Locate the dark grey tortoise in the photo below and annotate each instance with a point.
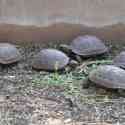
(9, 53)
(86, 46)
(51, 59)
(109, 76)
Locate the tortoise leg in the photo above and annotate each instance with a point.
(73, 63)
(71, 66)
(78, 58)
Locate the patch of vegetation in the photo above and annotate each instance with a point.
(56, 79)
(71, 81)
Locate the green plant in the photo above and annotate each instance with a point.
(70, 81)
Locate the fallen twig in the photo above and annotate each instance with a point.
(84, 65)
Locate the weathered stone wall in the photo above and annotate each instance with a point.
(50, 20)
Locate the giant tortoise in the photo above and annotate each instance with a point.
(9, 53)
(108, 76)
(86, 46)
(51, 59)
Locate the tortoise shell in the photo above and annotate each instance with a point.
(108, 76)
(9, 53)
(50, 59)
(87, 46)
(119, 60)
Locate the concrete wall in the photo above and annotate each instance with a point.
(50, 20)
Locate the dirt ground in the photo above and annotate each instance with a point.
(22, 103)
